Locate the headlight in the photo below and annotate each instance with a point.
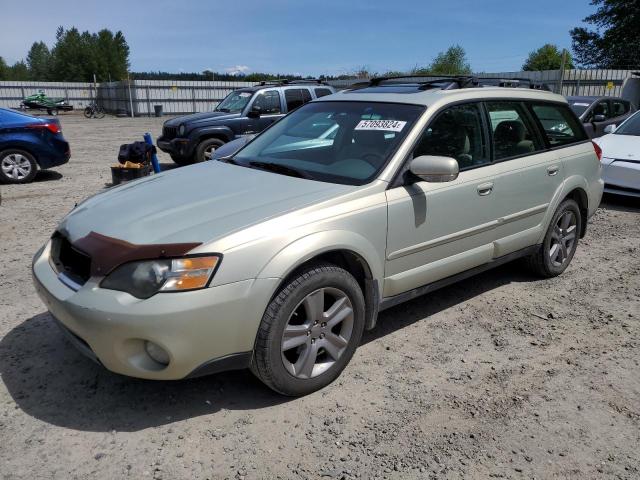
(144, 279)
(181, 129)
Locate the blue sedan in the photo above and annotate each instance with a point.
(29, 143)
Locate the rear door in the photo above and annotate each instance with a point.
(528, 175)
(296, 97)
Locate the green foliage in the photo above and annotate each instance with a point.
(39, 61)
(614, 40)
(451, 62)
(547, 57)
(3, 69)
(18, 71)
(75, 57)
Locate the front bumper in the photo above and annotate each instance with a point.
(181, 147)
(202, 331)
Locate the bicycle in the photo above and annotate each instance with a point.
(94, 110)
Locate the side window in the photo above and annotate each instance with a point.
(306, 95)
(601, 108)
(293, 97)
(457, 132)
(620, 107)
(269, 102)
(322, 92)
(512, 133)
(559, 124)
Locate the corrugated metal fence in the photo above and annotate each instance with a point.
(180, 97)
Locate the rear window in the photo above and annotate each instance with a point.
(560, 126)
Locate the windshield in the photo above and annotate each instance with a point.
(630, 127)
(339, 142)
(234, 102)
(579, 107)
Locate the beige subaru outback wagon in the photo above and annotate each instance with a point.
(278, 257)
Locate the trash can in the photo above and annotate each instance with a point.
(121, 175)
(158, 110)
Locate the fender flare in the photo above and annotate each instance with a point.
(304, 249)
(218, 131)
(570, 184)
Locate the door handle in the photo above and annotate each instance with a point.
(485, 189)
(552, 170)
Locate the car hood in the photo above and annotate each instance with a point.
(200, 203)
(621, 147)
(198, 118)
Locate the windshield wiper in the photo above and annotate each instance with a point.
(278, 168)
(225, 110)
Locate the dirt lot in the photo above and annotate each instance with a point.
(502, 375)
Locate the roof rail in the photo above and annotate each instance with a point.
(449, 82)
(286, 81)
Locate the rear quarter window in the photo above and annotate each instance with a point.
(322, 92)
(559, 124)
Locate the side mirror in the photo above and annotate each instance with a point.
(610, 128)
(435, 169)
(254, 112)
(599, 118)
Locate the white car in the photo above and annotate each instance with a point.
(621, 157)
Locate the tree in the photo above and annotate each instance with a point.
(452, 62)
(18, 71)
(4, 69)
(547, 57)
(614, 42)
(39, 61)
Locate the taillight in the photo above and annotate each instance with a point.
(597, 149)
(52, 127)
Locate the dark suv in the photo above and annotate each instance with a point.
(247, 111)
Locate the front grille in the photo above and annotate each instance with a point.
(169, 132)
(69, 260)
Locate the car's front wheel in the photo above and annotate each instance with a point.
(205, 149)
(17, 166)
(310, 330)
(560, 242)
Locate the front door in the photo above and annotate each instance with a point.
(436, 230)
(269, 109)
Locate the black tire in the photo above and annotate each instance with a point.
(268, 362)
(541, 262)
(53, 112)
(5, 160)
(181, 160)
(88, 112)
(205, 147)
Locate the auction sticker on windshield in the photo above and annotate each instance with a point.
(386, 125)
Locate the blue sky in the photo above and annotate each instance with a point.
(306, 37)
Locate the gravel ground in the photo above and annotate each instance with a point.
(502, 375)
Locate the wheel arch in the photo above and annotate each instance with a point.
(579, 195)
(357, 257)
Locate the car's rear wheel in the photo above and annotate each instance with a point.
(17, 166)
(310, 330)
(560, 242)
(206, 148)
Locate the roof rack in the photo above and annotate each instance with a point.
(286, 81)
(450, 82)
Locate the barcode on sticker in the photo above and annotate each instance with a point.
(386, 125)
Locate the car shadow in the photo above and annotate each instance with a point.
(49, 380)
(620, 203)
(47, 176)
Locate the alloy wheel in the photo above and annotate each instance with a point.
(208, 152)
(16, 166)
(563, 238)
(317, 332)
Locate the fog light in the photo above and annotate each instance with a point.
(156, 352)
